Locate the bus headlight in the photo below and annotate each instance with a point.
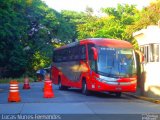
(105, 79)
(113, 83)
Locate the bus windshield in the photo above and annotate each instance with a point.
(116, 62)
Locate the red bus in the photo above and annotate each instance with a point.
(96, 64)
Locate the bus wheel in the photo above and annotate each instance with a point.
(118, 94)
(60, 84)
(84, 88)
(61, 87)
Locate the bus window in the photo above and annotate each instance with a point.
(76, 53)
(82, 52)
(64, 55)
(92, 62)
(71, 54)
(115, 62)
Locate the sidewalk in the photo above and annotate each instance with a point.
(138, 95)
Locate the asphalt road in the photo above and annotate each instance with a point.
(72, 103)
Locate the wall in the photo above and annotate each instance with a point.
(150, 77)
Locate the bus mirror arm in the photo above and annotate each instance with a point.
(95, 53)
(141, 56)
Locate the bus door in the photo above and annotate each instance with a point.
(93, 67)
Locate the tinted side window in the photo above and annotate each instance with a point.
(76, 53)
(90, 52)
(70, 54)
(92, 62)
(55, 56)
(82, 52)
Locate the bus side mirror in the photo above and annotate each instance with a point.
(95, 53)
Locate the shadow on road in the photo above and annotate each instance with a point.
(95, 94)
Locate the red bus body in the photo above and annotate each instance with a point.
(72, 73)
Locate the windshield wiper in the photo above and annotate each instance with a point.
(107, 74)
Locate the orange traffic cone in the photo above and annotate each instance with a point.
(48, 91)
(14, 95)
(26, 83)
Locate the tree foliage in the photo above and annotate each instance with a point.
(29, 30)
(74, 19)
(148, 16)
(112, 25)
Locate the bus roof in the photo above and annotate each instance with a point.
(107, 42)
(100, 42)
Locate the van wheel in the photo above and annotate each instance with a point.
(118, 94)
(84, 88)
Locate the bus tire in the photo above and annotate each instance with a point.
(84, 88)
(118, 94)
(61, 87)
(60, 83)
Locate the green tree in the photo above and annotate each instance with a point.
(74, 19)
(113, 25)
(28, 29)
(148, 16)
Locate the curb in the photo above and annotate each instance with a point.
(144, 98)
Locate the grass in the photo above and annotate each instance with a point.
(20, 80)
